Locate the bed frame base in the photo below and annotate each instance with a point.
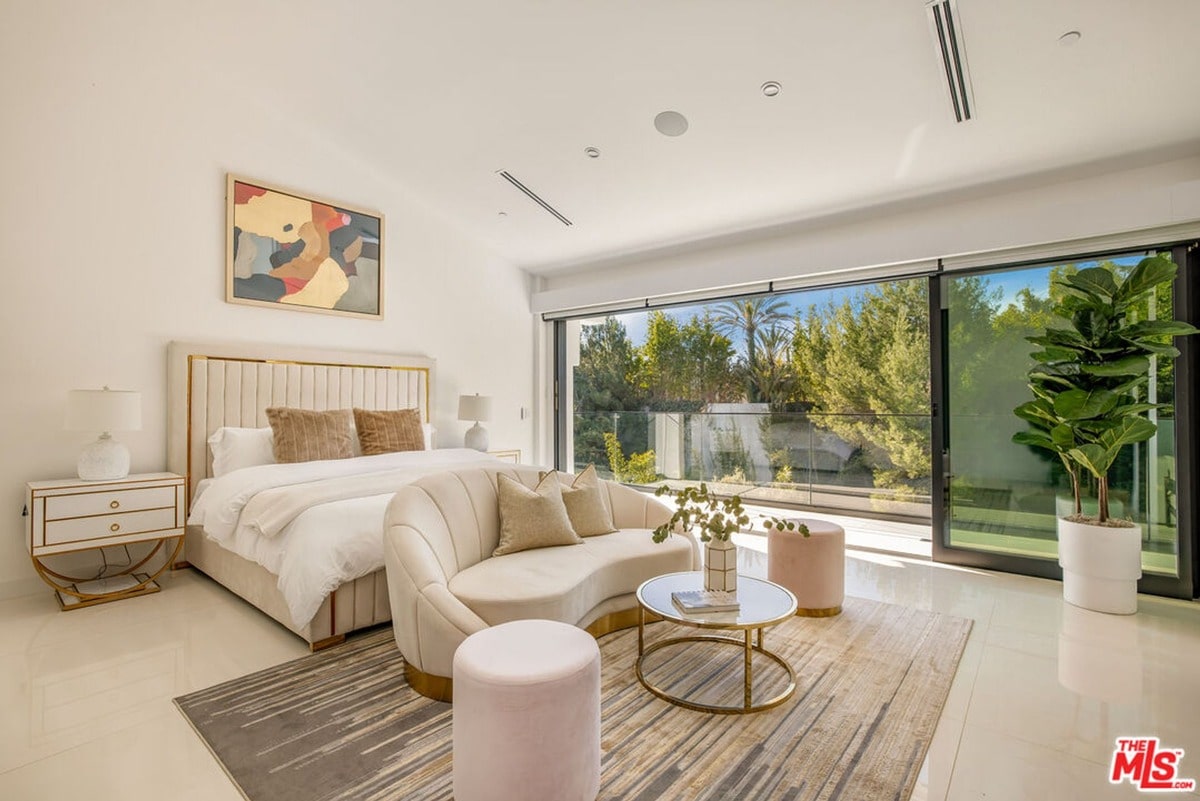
(328, 642)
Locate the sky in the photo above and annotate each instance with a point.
(1009, 282)
(636, 323)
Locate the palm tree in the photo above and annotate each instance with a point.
(748, 316)
(774, 376)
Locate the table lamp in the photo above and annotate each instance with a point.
(478, 408)
(104, 410)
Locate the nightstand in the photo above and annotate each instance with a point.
(75, 515)
(507, 456)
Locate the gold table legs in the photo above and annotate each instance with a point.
(748, 648)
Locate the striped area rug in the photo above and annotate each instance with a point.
(343, 724)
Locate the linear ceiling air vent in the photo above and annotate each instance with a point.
(529, 193)
(948, 38)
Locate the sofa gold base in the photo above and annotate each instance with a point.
(441, 688)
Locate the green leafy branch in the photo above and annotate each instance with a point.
(695, 508)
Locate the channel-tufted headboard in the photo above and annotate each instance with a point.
(210, 385)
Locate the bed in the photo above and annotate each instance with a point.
(214, 386)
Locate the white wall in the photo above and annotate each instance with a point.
(984, 219)
(113, 152)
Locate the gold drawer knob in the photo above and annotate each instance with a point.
(114, 505)
(115, 527)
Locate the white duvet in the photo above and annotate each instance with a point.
(316, 525)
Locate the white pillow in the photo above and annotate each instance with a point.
(235, 448)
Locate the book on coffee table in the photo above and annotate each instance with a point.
(692, 601)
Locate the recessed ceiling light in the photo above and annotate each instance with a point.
(1070, 38)
(771, 88)
(592, 152)
(671, 123)
(500, 215)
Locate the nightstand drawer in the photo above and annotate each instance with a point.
(107, 502)
(80, 529)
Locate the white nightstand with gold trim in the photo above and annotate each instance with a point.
(507, 456)
(74, 515)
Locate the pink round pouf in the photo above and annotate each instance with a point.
(526, 717)
(812, 567)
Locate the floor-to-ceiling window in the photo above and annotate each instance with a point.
(1001, 500)
(813, 398)
(826, 398)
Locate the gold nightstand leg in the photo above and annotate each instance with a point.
(143, 587)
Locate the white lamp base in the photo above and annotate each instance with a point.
(476, 437)
(103, 460)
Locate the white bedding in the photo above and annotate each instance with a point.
(308, 523)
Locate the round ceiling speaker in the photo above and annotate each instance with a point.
(671, 123)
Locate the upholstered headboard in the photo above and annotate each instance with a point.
(231, 384)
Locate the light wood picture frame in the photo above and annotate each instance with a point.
(288, 250)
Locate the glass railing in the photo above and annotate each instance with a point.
(851, 463)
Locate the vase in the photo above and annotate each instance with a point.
(1101, 566)
(720, 565)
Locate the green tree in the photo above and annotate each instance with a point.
(637, 469)
(865, 362)
(709, 356)
(684, 366)
(608, 366)
(773, 374)
(605, 384)
(747, 317)
(664, 374)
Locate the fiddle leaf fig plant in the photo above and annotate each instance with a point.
(1090, 378)
(695, 508)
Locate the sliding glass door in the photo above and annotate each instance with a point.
(1000, 500)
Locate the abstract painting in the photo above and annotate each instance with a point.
(290, 251)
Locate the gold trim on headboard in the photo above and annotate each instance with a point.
(192, 358)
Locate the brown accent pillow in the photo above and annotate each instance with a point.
(389, 431)
(303, 435)
(532, 518)
(584, 500)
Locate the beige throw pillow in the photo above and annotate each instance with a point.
(584, 500)
(389, 431)
(532, 518)
(303, 435)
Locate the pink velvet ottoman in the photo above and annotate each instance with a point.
(526, 720)
(812, 567)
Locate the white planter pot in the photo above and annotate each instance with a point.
(720, 565)
(1101, 566)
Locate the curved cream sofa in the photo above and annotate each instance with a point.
(444, 584)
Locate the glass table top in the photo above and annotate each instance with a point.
(762, 602)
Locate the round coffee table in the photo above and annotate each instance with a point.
(763, 604)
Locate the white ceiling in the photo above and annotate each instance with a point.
(445, 94)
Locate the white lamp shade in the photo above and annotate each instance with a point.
(103, 410)
(474, 407)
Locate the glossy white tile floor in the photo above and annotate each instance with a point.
(1041, 693)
